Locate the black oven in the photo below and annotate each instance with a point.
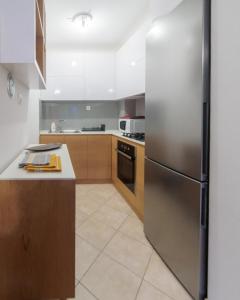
(126, 165)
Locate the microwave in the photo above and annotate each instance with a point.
(132, 125)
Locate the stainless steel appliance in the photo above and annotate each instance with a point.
(126, 165)
(177, 141)
(140, 136)
(132, 125)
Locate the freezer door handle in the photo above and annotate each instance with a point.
(204, 207)
(205, 142)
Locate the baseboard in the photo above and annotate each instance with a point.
(93, 181)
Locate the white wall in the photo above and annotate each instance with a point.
(140, 107)
(224, 247)
(16, 120)
(33, 117)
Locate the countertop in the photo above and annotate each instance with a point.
(107, 132)
(13, 172)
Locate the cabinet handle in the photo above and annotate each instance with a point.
(125, 155)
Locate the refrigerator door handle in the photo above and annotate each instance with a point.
(204, 207)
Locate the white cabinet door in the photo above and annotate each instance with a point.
(100, 76)
(86, 75)
(161, 7)
(131, 59)
(17, 31)
(64, 88)
(65, 63)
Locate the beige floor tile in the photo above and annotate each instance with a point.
(106, 190)
(133, 227)
(83, 188)
(129, 252)
(148, 292)
(85, 256)
(160, 276)
(87, 205)
(133, 214)
(76, 282)
(119, 197)
(108, 280)
(98, 196)
(82, 293)
(96, 233)
(80, 218)
(118, 203)
(109, 216)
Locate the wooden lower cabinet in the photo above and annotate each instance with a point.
(90, 154)
(136, 200)
(94, 159)
(47, 139)
(78, 149)
(100, 157)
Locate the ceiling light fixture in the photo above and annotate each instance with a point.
(82, 18)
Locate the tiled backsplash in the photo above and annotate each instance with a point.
(76, 114)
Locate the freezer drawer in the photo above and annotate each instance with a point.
(176, 224)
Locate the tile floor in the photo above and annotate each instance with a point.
(114, 261)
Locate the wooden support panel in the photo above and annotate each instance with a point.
(37, 239)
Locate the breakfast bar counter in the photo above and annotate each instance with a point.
(37, 232)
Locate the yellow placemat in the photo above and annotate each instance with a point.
(54, 166)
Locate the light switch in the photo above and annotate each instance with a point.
(88, 108)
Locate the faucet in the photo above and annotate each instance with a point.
(60, 124)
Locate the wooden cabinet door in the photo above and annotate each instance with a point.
(77, 146)
(100, 157)
(47, 139)
(140, 180)
(114, 159)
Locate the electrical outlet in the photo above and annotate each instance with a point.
(88, 108)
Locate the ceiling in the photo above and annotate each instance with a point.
(113, 22)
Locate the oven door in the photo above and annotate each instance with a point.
(126, 170)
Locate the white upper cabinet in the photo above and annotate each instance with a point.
(131, 59)
(162, 7)
(22, 40)
(100, 75)
(75, 75)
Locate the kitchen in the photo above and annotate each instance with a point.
(108, 223)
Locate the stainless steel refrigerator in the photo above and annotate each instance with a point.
(177, 141)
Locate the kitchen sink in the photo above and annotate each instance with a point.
(68, 131)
